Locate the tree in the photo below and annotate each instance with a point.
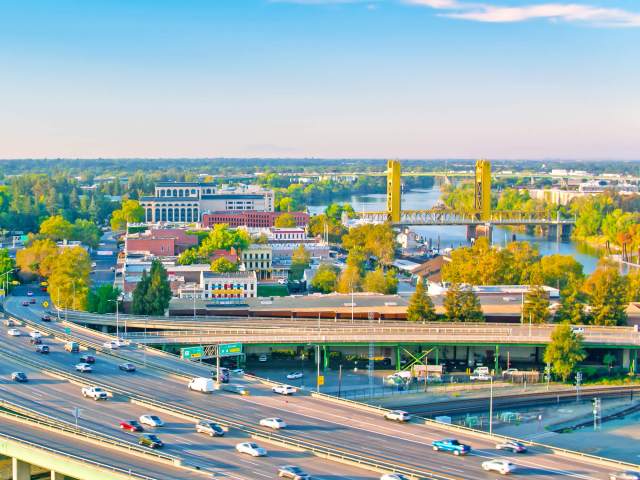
(375, 281)
(373, 240)
(572, 303)
(462, 305)
(69, 278)
(56, 228)
(633, 285)
(349, 280)
(221, 237)
(609, 359)
(420, 308)
(325, 279)
(222, 265)
(190, 257)
(6, 265)
(130, 212)
(103, 299)
(159, 292)
(471, 308)
(335, 228)
(536, 305)
(86, 232)
(37, 258)
(139, 301)
(335, 211)
(300, 261)
(285, 220)
(564, 351)
(608, 297)
(557, 270)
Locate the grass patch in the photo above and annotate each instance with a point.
(273, 291)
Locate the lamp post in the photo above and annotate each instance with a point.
(117, 302)
(491, 407)
(6, 290)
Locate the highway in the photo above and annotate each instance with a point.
(313, 420)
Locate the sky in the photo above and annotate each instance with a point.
(419, 79)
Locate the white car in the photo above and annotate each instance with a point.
(498, 465)
(272, 422)
(480, 377)
(35, 334)
(397, 416)
(238, 371)
(394, 476)
(252, 449)
(284, 389)
(294, 375)
(112, 345)
(84, 368)
(151, 420)
(282, 281)
(29, 293)
(14, 332)
(262, 357)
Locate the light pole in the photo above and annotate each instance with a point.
(491, 407)
(6, 290)
(117, 302)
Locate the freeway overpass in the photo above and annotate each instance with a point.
(315, 422)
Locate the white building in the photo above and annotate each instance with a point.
(228, 285)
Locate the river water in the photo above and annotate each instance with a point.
(455, 236)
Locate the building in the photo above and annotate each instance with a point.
(258, 258)
(251, 219)
(186, 202)
(167, 242)
(228, 285)
(409, 240)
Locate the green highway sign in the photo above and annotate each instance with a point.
(191, 353)
(230, 349)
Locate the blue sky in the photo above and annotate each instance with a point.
(320, 78)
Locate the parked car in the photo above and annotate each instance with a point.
(451, 445)
(273, 422)
(13, 332)
(42, 349)
(210, 428)
(88, 359)
(127, 367)
(515, 447)
(628, 475)
(294, 375)
(29, 293)
(151, 420)
(150, 440)
(131, 426)
(19, 377)
(262, 357)
(284, 389)
(393, 476)
(251, 448)
(480, 377)
(84, 368)
(397, 416)
(291, 471)
(499, 465)
(509, 371)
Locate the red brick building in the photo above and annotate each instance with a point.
(252, 219)
(161, 242)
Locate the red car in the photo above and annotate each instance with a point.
(88, 359)
(131, 426)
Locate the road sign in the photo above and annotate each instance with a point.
(230, 349)
(191, 353)
(45, 304)
(320, 380)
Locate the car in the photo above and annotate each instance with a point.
(151, 420)
(131, 426)
(480, 377)
(111, 345)
(19, 377)
(84, 368)
(97, 393)
(45, 318)
(150, 440)
(35, 334)
(273, 422)
(284, 389)
(262, 357)
(450, 445)
(514, 446)
(397, 416)
(7, 322)
(94, 264)
(238, 371)
(394, 476)
(25, 303)
(35, 341)
(127, 367)
(239, 389)
(88, 359)
(210, 428)
(13, 332)
(294, 375)
(282, 281)
(628, 475)
(252, 449)
(42, 349)
(291, 471)
(509, 371)
(29, 293)
(498, 465)
(32, 301)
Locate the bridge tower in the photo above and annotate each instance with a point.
(482, 199)
(394, 191)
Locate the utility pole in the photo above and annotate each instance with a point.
(578, 380)
(340, 381)
(597, 414)
(371, 355)
(547, 371)
(318, 365)
(491, 407)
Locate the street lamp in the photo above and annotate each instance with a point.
(491, 407)
(6, 290)
(117, 302)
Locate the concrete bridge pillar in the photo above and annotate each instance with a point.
(21, 470)
(59, 476)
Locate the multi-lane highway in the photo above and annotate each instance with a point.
(311, 420)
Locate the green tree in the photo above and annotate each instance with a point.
(608, 296)
(222, 265)
(221, 237)
(56, 228)
(285, 220)
(190, 257)
(139, 300)
(103, 299)
(6, 265)
(536, 305)
(375, 281)
(300, 261)
(471, 308)
(325, 279)
(572, 303)
(462, 305)
(564, 351)
(335, 229)
(159, 293)
(557, 270)
(86, 232)
(420, 308)
(129, 212)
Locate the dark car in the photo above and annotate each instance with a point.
(45, 318)
(131, 426)
(25, 303)
(127, 367)
(88, 359)
(32, 301)
(35, 341)
(19, 377)
(514, 446)
(210, 428)
(150, 440)
(43, 349)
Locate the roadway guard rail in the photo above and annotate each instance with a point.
(76, 458)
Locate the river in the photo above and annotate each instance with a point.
(455, 236)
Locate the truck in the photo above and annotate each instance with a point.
(97, 393)
(201, 384)
(72, 347)
(450, 445)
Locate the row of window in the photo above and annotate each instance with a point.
(229, 295)
(229, 286)
(252, 265)
(254, 256)
(172, 215)
(181, 192)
